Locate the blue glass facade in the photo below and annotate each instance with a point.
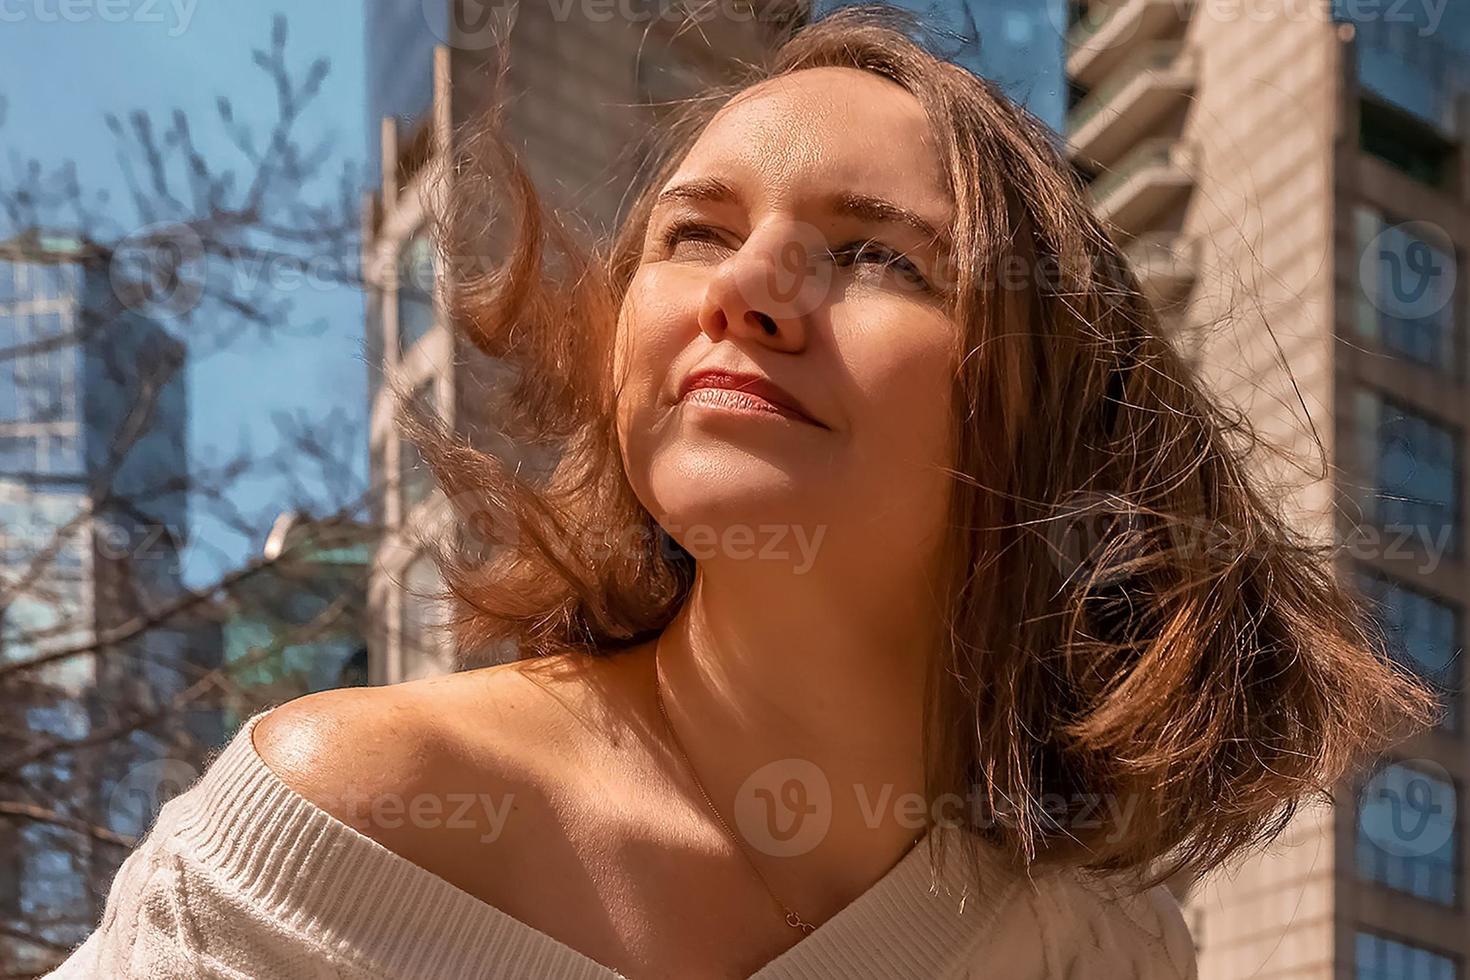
(40, 425)
(1016, 43)
(1381, 958)
(400, 38)
(415, 291)
(93, 506)
(1422, 634)
(90, 395)
(309, 609)
(1412, 472)
(1415, 56)
(1407, 825)
(71, 377)
(1406, 303)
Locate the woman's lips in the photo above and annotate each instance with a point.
(743, 391)
(742, 401)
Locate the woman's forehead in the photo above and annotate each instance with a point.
(823, 130)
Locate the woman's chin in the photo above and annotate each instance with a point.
(727, 489)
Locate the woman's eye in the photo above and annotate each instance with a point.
(876, 253)
(854, 253)
(680, 231)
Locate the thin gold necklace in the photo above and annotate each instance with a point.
(792, 919)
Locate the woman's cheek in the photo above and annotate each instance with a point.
(648, 344)
(910, 389)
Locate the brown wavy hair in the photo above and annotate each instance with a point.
(1197, 657)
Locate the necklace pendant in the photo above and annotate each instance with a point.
(795, 921)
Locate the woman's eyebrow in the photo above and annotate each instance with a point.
(711, 189)
(865, 207)
(877, 210)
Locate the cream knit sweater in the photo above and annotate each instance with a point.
(242, 877)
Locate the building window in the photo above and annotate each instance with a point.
(1406, 305)
(1422, 634)
(1412, 473)
(18, 454)
(39, 378)
(1380, 958)
(1406, 833)
(1404, 143)
(415, 291)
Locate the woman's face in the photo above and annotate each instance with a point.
(796, 243)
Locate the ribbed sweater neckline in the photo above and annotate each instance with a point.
(318, 875)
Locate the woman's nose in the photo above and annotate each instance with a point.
(768, 288)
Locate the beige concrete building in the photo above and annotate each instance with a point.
(1292, 188)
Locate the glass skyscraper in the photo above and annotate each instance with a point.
(92, 447)
(93, 485)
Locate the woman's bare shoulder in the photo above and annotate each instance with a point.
(488, 729)
(325, 743)
(466, 775)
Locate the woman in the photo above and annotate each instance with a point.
(807, 626)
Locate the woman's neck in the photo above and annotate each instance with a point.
(799, 701)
